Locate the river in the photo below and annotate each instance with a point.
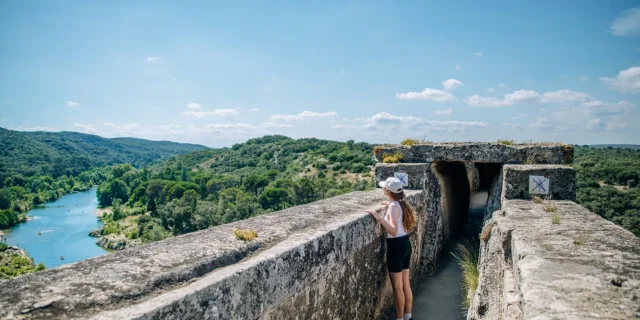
(64, 226)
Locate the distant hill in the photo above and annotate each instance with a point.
(621, 146)
(59, 153)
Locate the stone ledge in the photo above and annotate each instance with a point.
(480, 152)
(555, 277)
(162, 271)
(562, 181)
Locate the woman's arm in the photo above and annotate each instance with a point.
(391, 227)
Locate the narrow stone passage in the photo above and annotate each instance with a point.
(439, 295)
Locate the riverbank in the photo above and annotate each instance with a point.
(58, 234)
(15, 262)
(117, 235)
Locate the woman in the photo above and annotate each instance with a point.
(399, 220)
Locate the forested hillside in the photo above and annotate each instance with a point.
(71, 153)
(212, 187)
(36, 167)
(608, 184)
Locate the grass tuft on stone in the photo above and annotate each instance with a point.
(580, 240)
(506, 142)
(245, 235)
(392, 158)
(413, 141)
(555, 218)
(537, 200)
(549, 207)
(467, 256)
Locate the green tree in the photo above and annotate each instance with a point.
(5, 198)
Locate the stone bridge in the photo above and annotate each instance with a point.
(325, 260)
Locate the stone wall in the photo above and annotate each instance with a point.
(480, 152)
(316, 261)
(585, 267)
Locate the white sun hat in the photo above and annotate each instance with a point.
(392, 184)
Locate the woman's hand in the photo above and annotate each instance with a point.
(373, 213)
(384, 203)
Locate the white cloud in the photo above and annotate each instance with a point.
(304, 115)
(519, 116)
(599, 107)
(37, 128)
(86, 128)
(193, 106)
(500, 85)
(109, 124)
(254, 109)
(153, 59)
(491, 90)
(451, 84)
(386, 121)
(529, 96)
(72, 104)
(626, 80)
(584, 78)
(276, 125)
(565, 96)
(458, 66)
(519, 96)
(217, 112)
(616, 125)
(628, 24)
(478, 54)
(427, 94)
(541, 123)
(444, 112)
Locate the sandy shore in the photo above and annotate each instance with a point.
(99, 212)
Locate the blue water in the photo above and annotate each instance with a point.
(65, 225)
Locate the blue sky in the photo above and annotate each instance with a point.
(218, 73)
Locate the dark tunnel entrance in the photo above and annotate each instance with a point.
(466, 188)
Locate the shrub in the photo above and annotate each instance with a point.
(246, 235)
(409, 142)
(392, 158)
(3, 246)
(555, 218)
(537, 199)
(506, 142)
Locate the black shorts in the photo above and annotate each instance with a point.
(398, 253)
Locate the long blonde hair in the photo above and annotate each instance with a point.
(408, 215)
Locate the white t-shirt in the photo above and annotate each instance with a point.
(396, 209)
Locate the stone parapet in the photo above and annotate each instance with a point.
(480, 152)
(307, 260)
(583, 267)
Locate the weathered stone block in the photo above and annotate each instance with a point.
(416, 173)
(562, 181)
(530, 268)
(480, 152)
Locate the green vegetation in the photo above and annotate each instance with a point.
(211, 187)
(537, 199)
(506, 142)
(57, 154)
(608, 184)
(555, 218)
(392, 158)
(36, 167)
(467, 256)
(14, 262)
(245, 235)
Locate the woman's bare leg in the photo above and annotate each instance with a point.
(398, 293)
(408, 294)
